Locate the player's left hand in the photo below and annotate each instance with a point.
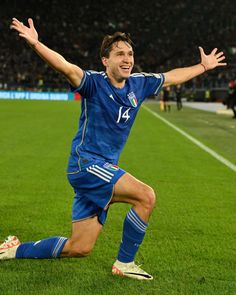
(212, 60)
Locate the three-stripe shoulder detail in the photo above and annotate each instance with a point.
(91, 72)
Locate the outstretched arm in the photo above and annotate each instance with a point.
(73, 73)
(208, 62)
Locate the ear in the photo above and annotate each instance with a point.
(104, 61)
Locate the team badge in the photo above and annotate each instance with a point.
(111, 167)
(132, 98)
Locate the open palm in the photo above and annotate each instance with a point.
(28, 33)
(212, 60)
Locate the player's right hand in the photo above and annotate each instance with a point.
(28, 33)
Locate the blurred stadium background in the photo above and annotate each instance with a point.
(166, 33)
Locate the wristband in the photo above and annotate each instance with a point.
(34, 45)
(203, 67)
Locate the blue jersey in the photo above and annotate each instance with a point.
(108, 113)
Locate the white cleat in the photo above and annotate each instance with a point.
(8, 248)
(130, 270)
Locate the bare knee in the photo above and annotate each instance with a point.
(82, 251)
(75, 249)
(148, 199)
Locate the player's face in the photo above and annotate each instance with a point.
(120, 62)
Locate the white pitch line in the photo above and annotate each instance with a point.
(194, 140)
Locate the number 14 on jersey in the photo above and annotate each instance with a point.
(123, 114)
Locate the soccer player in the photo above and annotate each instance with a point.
(110, 102)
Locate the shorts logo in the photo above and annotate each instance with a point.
(133, 100)
(111, 167)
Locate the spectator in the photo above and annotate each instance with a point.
(165, 25)
(166, 97)
(178, 95)
(232, 97)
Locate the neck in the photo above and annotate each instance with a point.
(118, 83)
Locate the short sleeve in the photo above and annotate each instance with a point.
(87, 85)
(153, 83)
(147, 84)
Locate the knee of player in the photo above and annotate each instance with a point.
(149, 198)
(79, 250)
(84, 252)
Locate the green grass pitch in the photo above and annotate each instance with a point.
(190, 245)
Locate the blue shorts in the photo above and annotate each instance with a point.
(93, 181)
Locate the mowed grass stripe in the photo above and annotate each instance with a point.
(194, 140)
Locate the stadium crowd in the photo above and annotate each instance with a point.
(166, 35)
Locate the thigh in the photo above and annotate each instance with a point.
(129, 189)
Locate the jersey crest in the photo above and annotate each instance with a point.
(132, 98)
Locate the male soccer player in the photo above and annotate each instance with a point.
(110, 102)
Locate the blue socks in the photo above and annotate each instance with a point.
(134, 229)
(43, 249)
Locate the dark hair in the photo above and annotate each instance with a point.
(109, 40)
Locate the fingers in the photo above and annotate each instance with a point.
(31, 23)
(17, 25)
(201, 50)
(214, 51)
(20, 27)
(222, 64)
(27, 32)
(15, 20)
(219, 54)
(220, 58)
(23, 35)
